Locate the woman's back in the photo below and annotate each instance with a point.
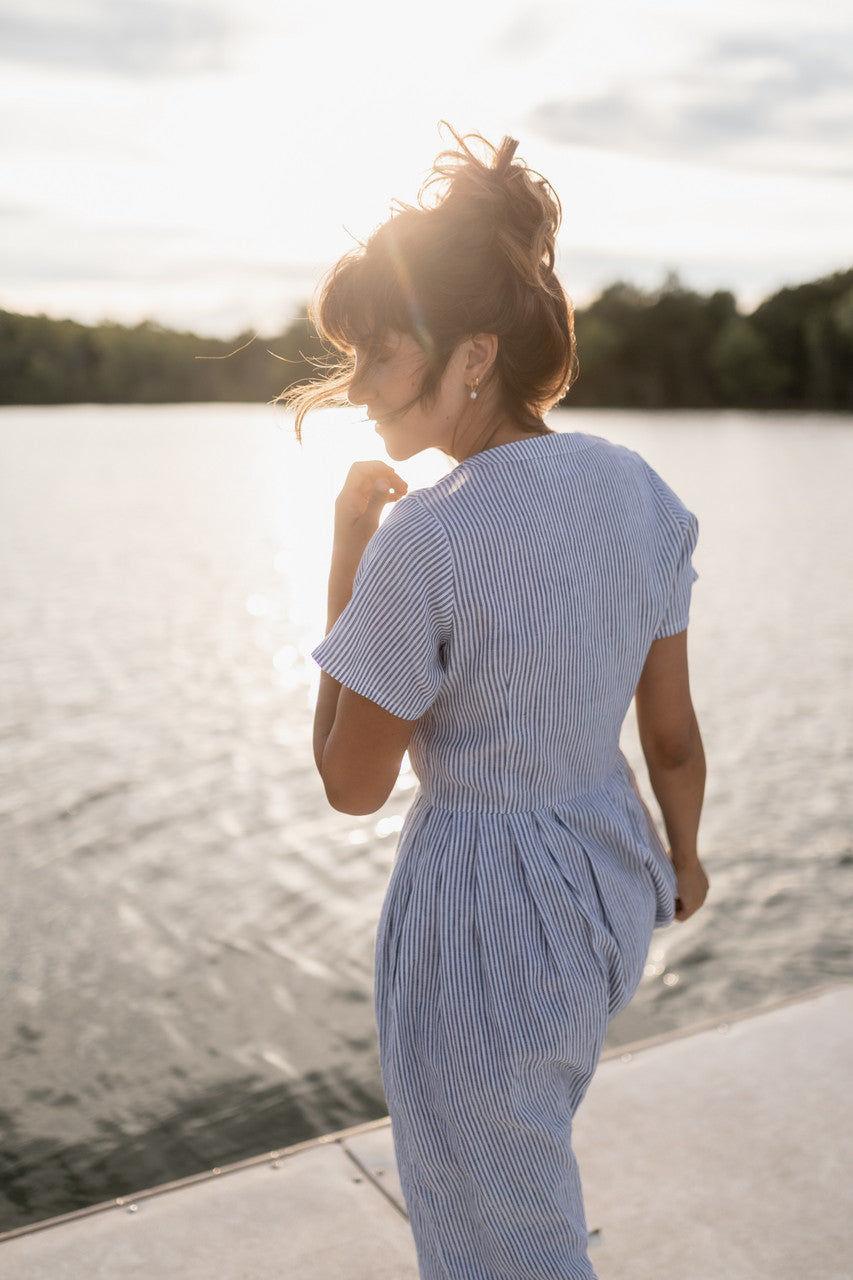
(520, 596)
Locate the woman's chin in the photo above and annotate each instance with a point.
(396, 449)
(400, 445)
(398, 453)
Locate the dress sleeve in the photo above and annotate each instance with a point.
(677, 610)
(389, 644)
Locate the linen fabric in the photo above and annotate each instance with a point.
(509, 609)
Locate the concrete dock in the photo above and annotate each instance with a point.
(722, 1154)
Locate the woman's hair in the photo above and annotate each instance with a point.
(476, 255)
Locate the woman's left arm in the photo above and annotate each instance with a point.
(358, 745)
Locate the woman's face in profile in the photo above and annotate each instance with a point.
(390, 381)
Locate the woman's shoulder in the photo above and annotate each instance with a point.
(411, 523)
(627, 464)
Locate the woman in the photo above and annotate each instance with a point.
(497, 626)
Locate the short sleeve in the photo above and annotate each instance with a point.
(389, 644)
(677, 610)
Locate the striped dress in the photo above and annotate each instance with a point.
(509, 609)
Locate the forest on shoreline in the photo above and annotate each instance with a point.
(668, 348)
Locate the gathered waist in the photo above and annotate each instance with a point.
(444, 796)
(606, 828)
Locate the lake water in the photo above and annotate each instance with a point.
(187, 929)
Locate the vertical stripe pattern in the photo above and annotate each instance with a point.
(509, 609)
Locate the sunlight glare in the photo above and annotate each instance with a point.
(305, 480)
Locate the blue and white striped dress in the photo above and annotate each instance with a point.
(509, 609)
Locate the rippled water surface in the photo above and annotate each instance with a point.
(187, 929)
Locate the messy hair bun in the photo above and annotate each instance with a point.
(476, 255)
(508, 206)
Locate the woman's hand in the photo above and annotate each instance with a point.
(691, 888)
(368, 486)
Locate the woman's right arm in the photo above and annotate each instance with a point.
(672, 746)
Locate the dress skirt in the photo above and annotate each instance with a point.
(505, 944)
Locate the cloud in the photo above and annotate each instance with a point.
(57, 265)
(37, 248)
(120, 37)
(524, 33)
(769, 102)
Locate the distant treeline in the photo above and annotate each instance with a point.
(669, 348)
(673, 348)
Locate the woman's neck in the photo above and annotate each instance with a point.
(488, 432)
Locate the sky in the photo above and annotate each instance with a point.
(201, 163)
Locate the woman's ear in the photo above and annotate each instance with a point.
(482, 351)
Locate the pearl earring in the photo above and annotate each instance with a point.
(474, 388)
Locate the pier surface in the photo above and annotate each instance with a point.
(721, 1154)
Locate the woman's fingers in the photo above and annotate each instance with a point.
(692, 890)
(368, 483)
(367, 488)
